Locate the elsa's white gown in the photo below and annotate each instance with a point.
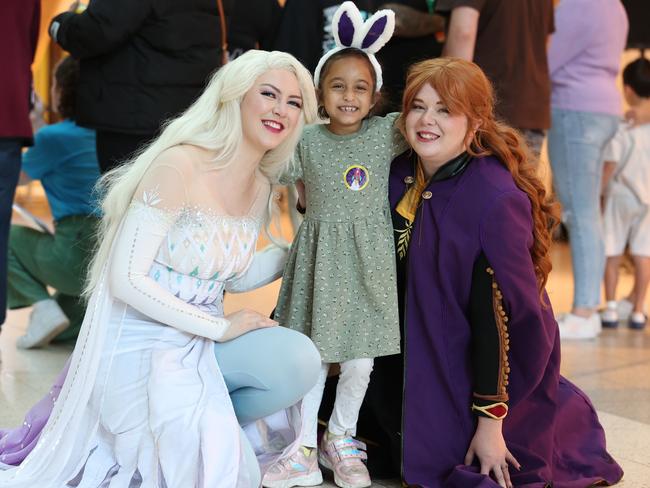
(144, 403)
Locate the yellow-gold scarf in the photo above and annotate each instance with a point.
(409, 203)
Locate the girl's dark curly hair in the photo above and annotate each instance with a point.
(349, 52)
(66, 75)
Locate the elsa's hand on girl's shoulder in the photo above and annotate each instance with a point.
(244, 321)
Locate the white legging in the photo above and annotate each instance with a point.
(350, 391)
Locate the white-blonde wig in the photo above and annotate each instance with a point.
(212, 122)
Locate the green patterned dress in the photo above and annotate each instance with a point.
(339, 284)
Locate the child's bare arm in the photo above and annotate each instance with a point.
(608, 171)
(300, 187)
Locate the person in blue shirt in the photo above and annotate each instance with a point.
(64, 159)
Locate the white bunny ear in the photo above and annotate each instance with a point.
(377, 31)
(347, 24)
(349, 30)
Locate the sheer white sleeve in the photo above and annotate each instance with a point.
(266, 267)
(144, 227)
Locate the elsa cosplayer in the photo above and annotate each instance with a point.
(160, 382)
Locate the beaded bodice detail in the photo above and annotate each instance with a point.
(201, 252)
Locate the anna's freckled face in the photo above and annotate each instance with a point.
(433, 132)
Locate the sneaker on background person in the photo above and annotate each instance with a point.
(46, 321)
(576, 327)
(622, 311)
(624, 308)
(637, 321)
(610, 316)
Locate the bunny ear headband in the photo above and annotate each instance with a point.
(350, 30)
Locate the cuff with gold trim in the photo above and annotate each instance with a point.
(497, 410)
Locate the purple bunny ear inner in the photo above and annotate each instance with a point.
(376, 30)
(345, 29)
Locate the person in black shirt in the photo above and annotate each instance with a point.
(142, 62)
(305, 32)
(252, 24)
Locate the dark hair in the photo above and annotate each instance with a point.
(636, 75)
(348, 52)
(67, 79)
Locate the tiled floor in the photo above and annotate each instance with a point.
(614, 370)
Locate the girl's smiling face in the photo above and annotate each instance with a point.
(347, 93)
(434, 133)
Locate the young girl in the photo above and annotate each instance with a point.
(339, 282)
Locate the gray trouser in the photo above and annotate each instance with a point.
(10, 160)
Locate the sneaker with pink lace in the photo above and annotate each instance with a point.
(344, 455)
(300, 469)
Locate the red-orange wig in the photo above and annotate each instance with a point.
(465, 89)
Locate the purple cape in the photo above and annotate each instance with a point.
(552, 428)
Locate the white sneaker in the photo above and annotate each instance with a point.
(624, 309)
(576, 327)
(46, 321)
(637, 321)
(609, 316)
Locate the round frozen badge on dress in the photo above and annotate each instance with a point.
(356, 177)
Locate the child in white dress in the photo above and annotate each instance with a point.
(627, 199)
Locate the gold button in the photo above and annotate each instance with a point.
(427, 194)
(408, 180)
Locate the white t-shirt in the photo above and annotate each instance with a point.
(630, 150)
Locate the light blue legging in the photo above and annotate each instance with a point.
(266, 371)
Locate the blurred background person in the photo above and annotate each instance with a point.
(626, 218)
(508, 41)
(584, 59)
(19, 23)
(142, 62)
(252, 24)
(305, 32)
(64, 159)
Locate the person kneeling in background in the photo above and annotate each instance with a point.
(64, 159)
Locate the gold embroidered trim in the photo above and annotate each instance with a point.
(504, 337)
(486, 410)
(404, 239)
(491, 398)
